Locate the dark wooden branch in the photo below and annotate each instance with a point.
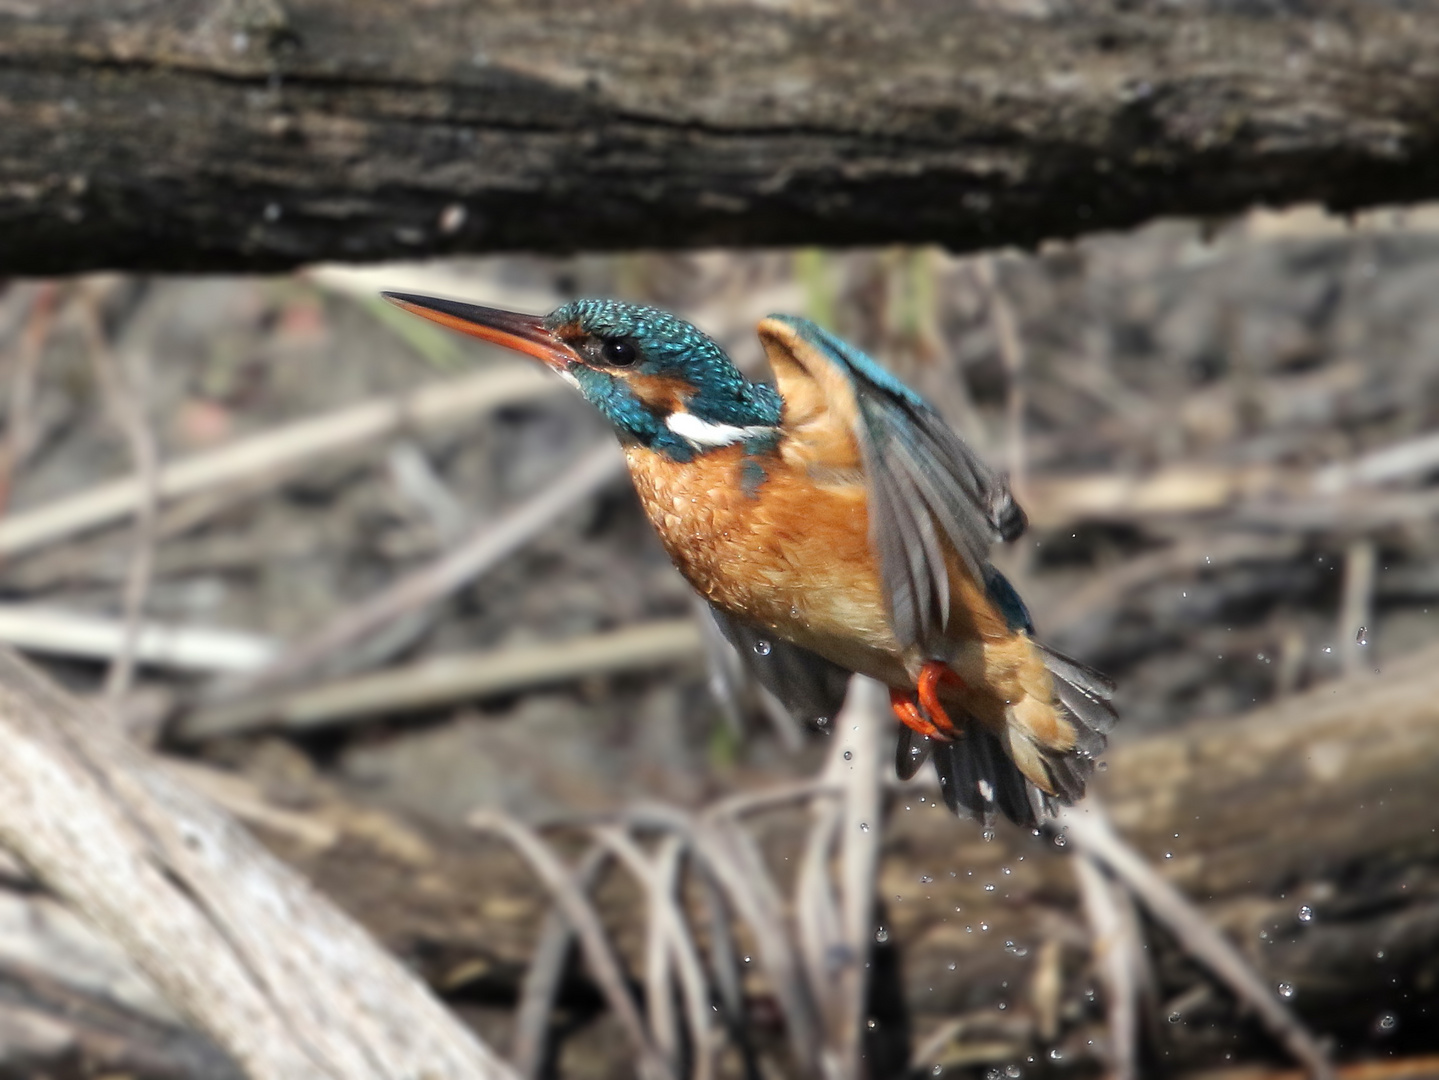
(251, 134)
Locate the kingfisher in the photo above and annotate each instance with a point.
(835, 524)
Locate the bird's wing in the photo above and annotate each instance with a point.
(810, 687)
(927, 489)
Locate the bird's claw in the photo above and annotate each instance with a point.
(922, 712)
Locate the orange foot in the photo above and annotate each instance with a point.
(927, 717)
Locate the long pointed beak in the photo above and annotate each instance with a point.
(513, 330)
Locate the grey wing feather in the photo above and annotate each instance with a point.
(926, 483)
(810, 687)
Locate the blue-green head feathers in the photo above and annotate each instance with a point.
(660, 380)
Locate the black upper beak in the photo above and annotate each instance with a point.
(512, 329)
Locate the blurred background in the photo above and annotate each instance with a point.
(1223, 435)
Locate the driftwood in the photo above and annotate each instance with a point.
(240, 946)
(265, 133)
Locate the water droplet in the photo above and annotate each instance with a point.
(762, 648)
(989, 887)
(273, 212)
(881, 935)
(871, 1023)
(1169, 854)
(984, 926)
(747, 960)
(1014, 1072)
(925, 879)
(1329, 648)
(1286, 990)
(952, 965)
(1306, 913)
(1015, 950)
(1002, 1006)
(821, 721)
(1379, 955)
(849, 755)
(988, 835)
(1361, 637)
(1059, 840)
(1056, 1054)
(1385, 1023)
(1005, 870)
(1175, 1018)
(1102, 766)
(864, 826)
(936, 1070)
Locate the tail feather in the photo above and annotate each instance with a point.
(978, 774)
(978, 779)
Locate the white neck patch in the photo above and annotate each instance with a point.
(699, 432)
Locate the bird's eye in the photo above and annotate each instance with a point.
(617, 352)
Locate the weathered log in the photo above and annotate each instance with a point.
(237, 943)
(264, 133)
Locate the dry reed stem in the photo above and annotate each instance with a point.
(1089, 830)
(600, 956)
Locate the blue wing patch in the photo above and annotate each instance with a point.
(1004, 597)
(926, 487)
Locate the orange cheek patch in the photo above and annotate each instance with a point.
(661, 393)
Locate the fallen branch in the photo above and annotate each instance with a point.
(490, 543)
(445, 680)
(238, 944)
(97, 637)
(275, 455)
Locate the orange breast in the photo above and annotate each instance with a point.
(792, 554)
(783, 552)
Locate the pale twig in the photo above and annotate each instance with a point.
(743, 803)
(858, 727)
(546, 971)
(98, 637)
(669, 948)
(1011, 353)
(244, 799)
(597, 466)
(659, 987)
(698, 1002)
(20, 428)
(125, 395)
(1358, 602)
(445, 679)
(816, 911)
(724, 962)
(1112, 951)
(728, 854)
(763, 909)
(276, 455)
(1003, 1039)
(1089, 830)
(1399, 461)
(604, 965)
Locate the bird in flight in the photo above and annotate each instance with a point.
(835, 524)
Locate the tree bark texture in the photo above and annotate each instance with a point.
(257, 134)
(239, 945)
